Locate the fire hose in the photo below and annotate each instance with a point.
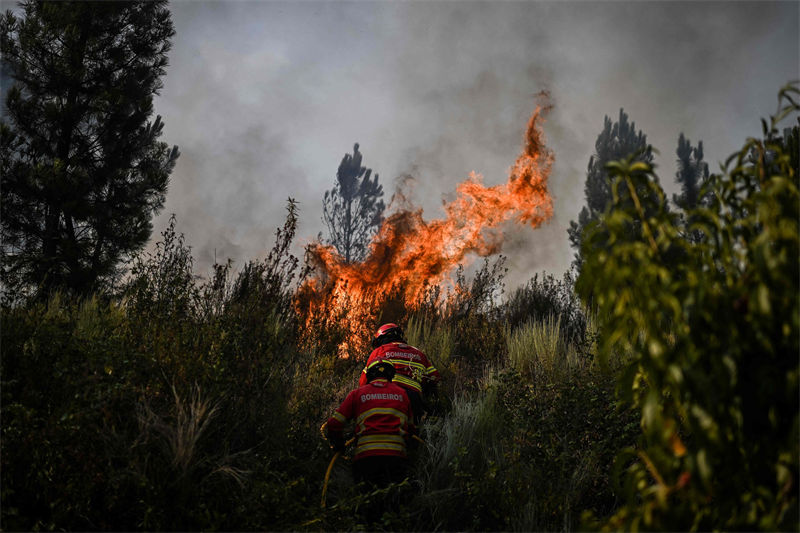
(328, 472)
(333, 461)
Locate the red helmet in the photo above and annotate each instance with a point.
(387, 333)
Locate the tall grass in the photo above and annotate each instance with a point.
(438, 342)
(180, 433)
(538, 349)
(433, 339)
(460, 449)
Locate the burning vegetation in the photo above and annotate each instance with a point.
(408, 255)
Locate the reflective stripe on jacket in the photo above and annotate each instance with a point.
(383, 417)
(411, 365)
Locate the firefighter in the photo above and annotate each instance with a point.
(413, 371)
(384, 425)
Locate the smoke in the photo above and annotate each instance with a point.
(264, 99)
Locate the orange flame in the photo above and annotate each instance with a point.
(410, 255)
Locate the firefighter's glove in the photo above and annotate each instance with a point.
(337, 443)
(430, 389)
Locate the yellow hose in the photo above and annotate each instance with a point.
(328, 472)
(327, 478)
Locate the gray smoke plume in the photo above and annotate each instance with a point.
(264, 99)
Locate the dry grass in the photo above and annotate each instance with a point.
(180, 433)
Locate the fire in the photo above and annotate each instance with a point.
(409, 255)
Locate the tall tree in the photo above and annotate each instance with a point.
(353, 209)
(83, 171)
(711, 337)
(691, 175)
(617, 141)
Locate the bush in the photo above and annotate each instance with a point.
(153, 410)
(714, 326)
(192, 404)
(548, 296)
(561, 438)
(69, 388)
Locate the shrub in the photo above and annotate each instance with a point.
(546, 296)
(714, 326)
(68, 387)
(560, 437)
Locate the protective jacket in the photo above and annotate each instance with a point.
(411, 366)
(383, 416)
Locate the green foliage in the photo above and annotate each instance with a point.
(479, 330)
(544, 296)
(692, 173)
(714, 327)
(82, 168)
(561, 440)
(154, 411)
(67, 392)
(162, 283)
(617, 140)
(187, 404)
(458, 469)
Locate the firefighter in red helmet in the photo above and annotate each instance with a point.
(413, 371)
(384, 425)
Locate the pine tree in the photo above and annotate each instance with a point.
(83, 171)
(617, 141)
(353, 209)
(691, 175)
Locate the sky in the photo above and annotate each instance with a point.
(264, 98)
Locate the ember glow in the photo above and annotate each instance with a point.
(409, 255)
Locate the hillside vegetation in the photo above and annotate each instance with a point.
(664, 397)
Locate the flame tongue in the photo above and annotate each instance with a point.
(409, 255)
